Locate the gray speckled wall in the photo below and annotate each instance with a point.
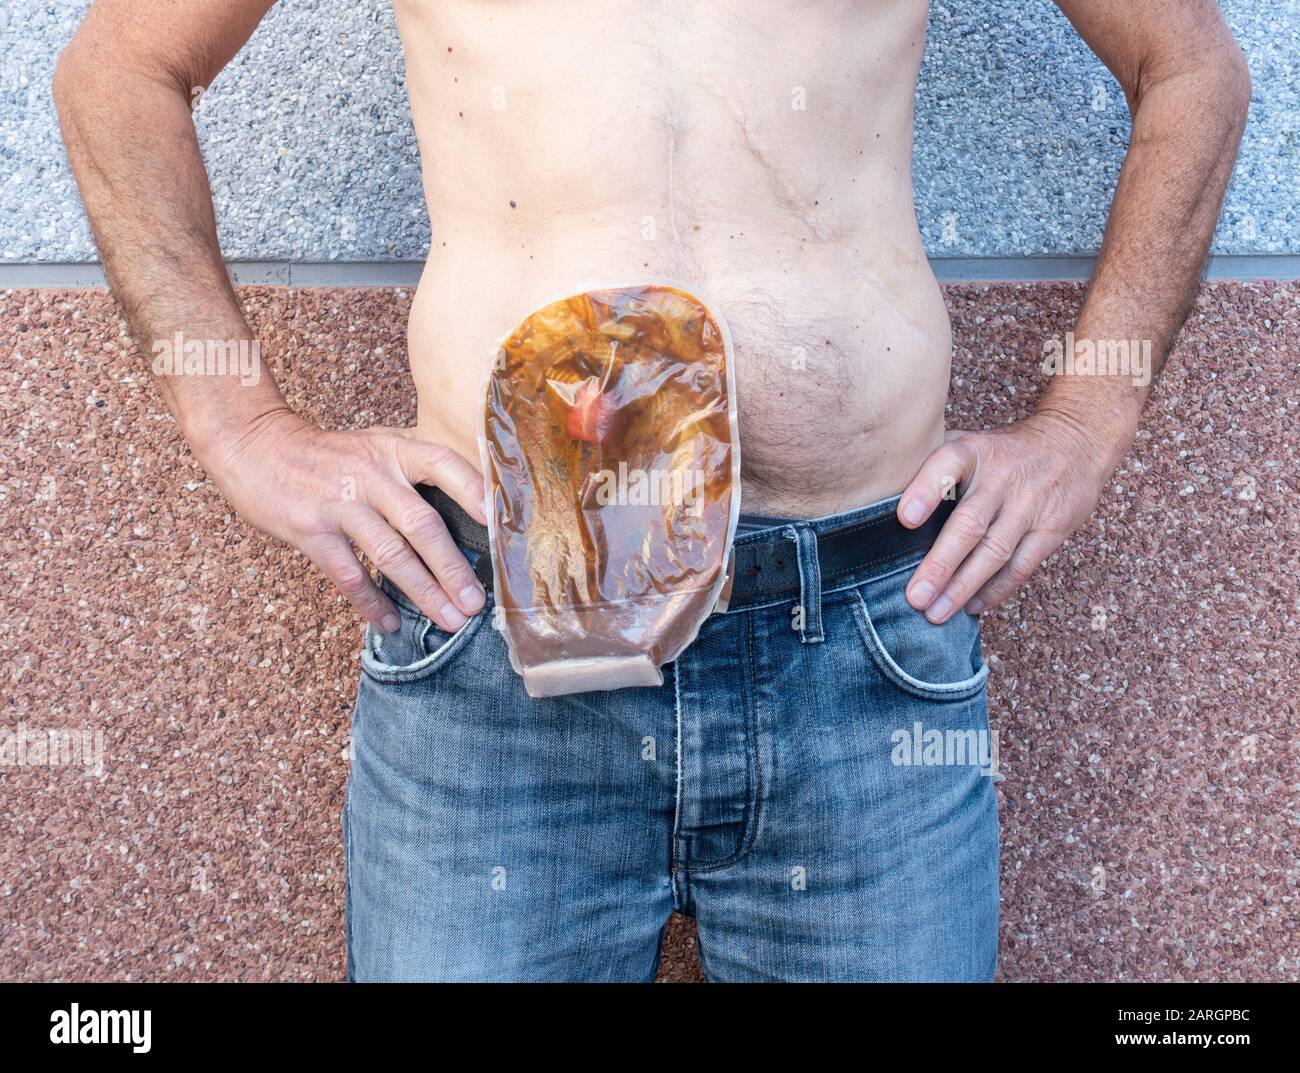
(1020, 134)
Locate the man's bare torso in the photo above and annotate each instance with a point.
(758, 151)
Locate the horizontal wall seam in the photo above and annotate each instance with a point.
(1243, 267)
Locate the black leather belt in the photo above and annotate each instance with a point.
(764, 569)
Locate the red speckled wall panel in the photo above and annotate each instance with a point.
(1143, 684)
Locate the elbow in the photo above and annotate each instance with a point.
(92, 76)
(73, 81)
(1230, 88)
(1238, 85)
(67, 78)
(1216, 83)
(92, 85)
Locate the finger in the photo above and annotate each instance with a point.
(964, 529)
(946, 468)
(334, 557)
(1028, 556)
(389, 551)
(427, 533)
(432, 463)
(989, 555)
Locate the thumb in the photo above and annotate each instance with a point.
(434, 463)
(939, 477)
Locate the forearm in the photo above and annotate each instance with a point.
(135, 154)
(1186, 129)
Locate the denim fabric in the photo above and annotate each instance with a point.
(814, 788)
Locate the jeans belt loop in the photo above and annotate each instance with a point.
(807, 617)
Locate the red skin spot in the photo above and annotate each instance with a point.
(593, 417)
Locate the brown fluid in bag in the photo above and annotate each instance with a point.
(609, 451)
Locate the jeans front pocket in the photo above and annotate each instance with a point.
(417, 649)
(938, 663)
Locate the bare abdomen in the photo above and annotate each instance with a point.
(727, 148)
(841, 389)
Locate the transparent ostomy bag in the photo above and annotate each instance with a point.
(612, 464)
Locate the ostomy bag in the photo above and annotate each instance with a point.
(612, 464)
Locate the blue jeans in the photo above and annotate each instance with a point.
(815, 790)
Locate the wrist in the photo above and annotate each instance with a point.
(1104, 438)
(220, 446)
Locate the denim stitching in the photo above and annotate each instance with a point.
(885, 663)
(810, 582)
(426, 665)
(753, 775)
(350, 959)
(677, 796)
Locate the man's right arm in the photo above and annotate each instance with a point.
(124, 87)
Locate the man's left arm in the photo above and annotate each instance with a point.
(1027, 487)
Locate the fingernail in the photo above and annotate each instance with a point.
(913, 512)
(471, 597)
(453, 618)
(921, 593)
(390, 623)
(975, 607)
(939, 609)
